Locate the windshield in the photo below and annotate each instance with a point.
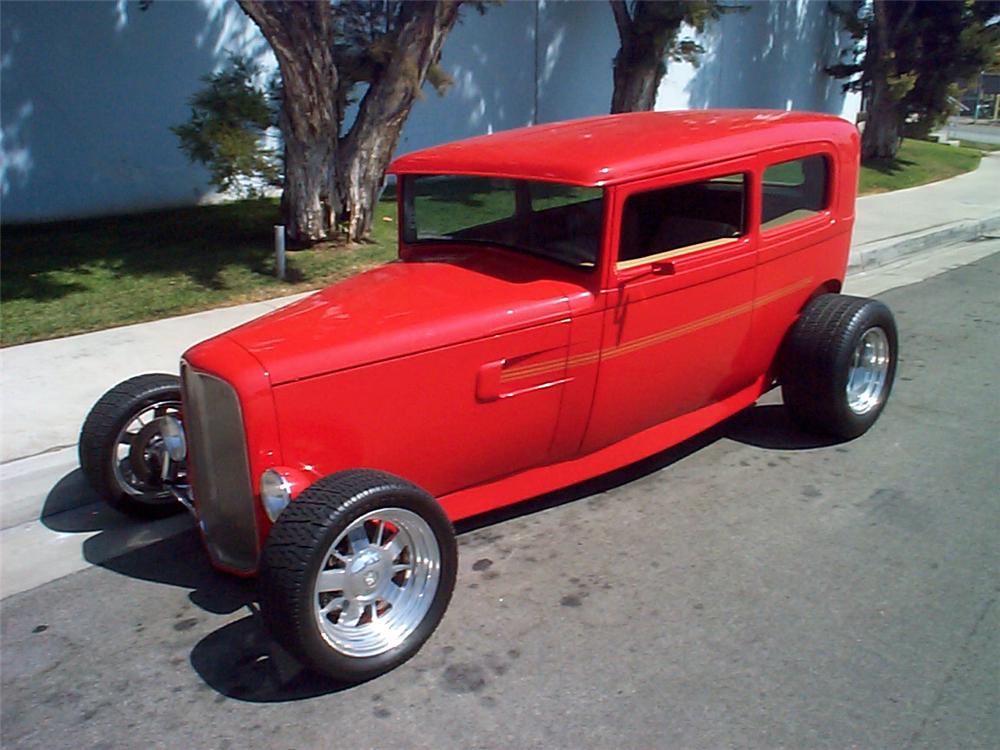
(551, 220)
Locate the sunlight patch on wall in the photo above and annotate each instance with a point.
(229, 31)
(121, 15)
(15, 157)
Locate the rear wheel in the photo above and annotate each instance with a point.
(122, 453)
(839, 363)
(357, 573)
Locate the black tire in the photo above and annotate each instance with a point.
(300, 546)
(821, 354)
(128, 489)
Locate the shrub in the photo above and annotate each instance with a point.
(229, 131)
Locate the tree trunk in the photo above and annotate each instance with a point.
(302, 35)
(883, 124)
(367, 149)
(645, 35)
(636, 84)
(880, 139)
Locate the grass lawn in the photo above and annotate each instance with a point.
(980, 146)
(76, 276)
(917, 163)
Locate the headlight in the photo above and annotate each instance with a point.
(172, 432)
(275, 493)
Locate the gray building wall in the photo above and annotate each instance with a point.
(88, 90)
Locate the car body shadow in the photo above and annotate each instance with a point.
(243, 662)
(240, 659)
(68, 494)
(770, 426)
(765, 426)
(72, 507)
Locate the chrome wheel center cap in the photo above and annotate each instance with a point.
(364, 561)
(365, 573)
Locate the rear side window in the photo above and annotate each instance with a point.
(681, 219)
(794, 190)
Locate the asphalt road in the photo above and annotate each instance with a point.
(754, 588)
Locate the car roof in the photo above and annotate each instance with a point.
(610, 149)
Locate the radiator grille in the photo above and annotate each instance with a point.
(219, 469)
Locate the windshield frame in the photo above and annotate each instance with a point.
(523, 211)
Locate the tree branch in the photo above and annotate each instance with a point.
(622, 18)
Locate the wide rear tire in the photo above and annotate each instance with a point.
(838, 364)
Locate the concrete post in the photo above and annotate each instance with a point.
(279, 250)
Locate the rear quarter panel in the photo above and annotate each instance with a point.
(806, 257)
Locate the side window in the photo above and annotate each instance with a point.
(681, 219)
(794, 190)
(566, 221)
(546, 195)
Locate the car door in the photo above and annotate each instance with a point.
(679, 300)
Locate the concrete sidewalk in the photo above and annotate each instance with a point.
(47, 388)
(891, 225)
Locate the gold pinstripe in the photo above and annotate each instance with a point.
(587, 358)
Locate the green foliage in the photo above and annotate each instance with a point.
(366, 42)
(230, 117)
(993, 66)
(929, 46)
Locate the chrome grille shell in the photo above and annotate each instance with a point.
(219, 469)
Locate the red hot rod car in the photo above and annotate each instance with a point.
(569, 298)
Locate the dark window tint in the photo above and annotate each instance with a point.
(794, 190)
(660, 221)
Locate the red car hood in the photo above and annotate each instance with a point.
(404, 308)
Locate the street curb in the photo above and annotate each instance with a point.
(28, 493)
(880, 252)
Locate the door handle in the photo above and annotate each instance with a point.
(664, 268)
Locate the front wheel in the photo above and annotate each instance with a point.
(122, 452)
(357, 573)
(839, 363)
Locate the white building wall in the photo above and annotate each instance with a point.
(88, 92)
(770, 55)
(89, 89)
